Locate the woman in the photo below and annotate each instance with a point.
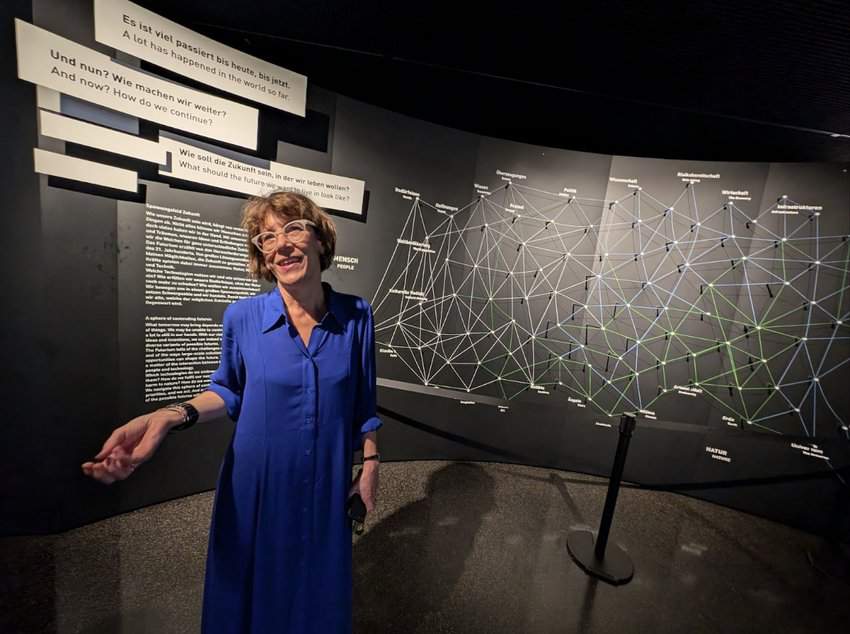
(297, 373)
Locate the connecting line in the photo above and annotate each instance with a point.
(621, 297)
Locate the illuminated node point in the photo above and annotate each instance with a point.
(707, 314)
(581, 345)
(749, 422)
(758, 327)
(687, 263)
(620, 358)
(639, 341)
(454, 294)
(764, 360)
(513, 321)
(711, 284)
(641, 252)
(649, 283)
(672, 209)
(784, 195)
(740, 388)
(628, 305)
(732, 236)
(784, 239)
(744, 257)
(787, 283)
(486, 225)
(675, 242)
(696, 384)
(492, 332)
(639, 220)
(569, 253)
(561, 357)
(467, 333)
(839, 322)
(419, 347)
(663, 389)
(510, 272)
(510, 353)
(666, 308)
(699, 224)
(584, 305)
(526, 298)
(663, 363)
(728, 343)
(603, 327)
(447, 259)
(609, 381)
(426, 383)
(797, 409)
(814, 301)
(519, 215)
(560, 382)
(673, 333)
(805, 338)
(475, 266)
(816, 380)
(532, 336)
(606, 255)
(755, 222)
(598, 277)
(478, 362)
(817, 262)
(589, 398)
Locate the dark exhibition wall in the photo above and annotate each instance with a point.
(525, 296)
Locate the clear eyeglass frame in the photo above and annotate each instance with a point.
(294, 231)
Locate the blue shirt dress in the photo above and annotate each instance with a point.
(279, 556)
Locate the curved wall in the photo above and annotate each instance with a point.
(524, 298)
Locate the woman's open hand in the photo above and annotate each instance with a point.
(129, 446)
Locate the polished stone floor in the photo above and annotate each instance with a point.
(454, 547)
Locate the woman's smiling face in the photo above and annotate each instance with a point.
(293, 261)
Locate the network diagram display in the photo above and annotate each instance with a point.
(637, 304)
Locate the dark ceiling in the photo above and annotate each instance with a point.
(703, 80)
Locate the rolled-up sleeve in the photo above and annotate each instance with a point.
(365, 418)
(228, 381)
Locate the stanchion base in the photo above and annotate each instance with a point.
(616, 568)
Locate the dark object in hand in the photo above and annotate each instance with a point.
(356, 507)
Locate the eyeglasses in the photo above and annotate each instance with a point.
(295, 231)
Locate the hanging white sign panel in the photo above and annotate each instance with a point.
(55, 62)
(148, 36)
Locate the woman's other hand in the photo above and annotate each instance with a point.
(369, 484)
(130, 445)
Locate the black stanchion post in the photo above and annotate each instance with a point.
(609, 563)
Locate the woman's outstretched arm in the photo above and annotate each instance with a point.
(135, 442)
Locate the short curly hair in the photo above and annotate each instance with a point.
(285, 206)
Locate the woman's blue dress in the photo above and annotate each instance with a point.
(279, 557)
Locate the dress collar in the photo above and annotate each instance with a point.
(274, 309)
